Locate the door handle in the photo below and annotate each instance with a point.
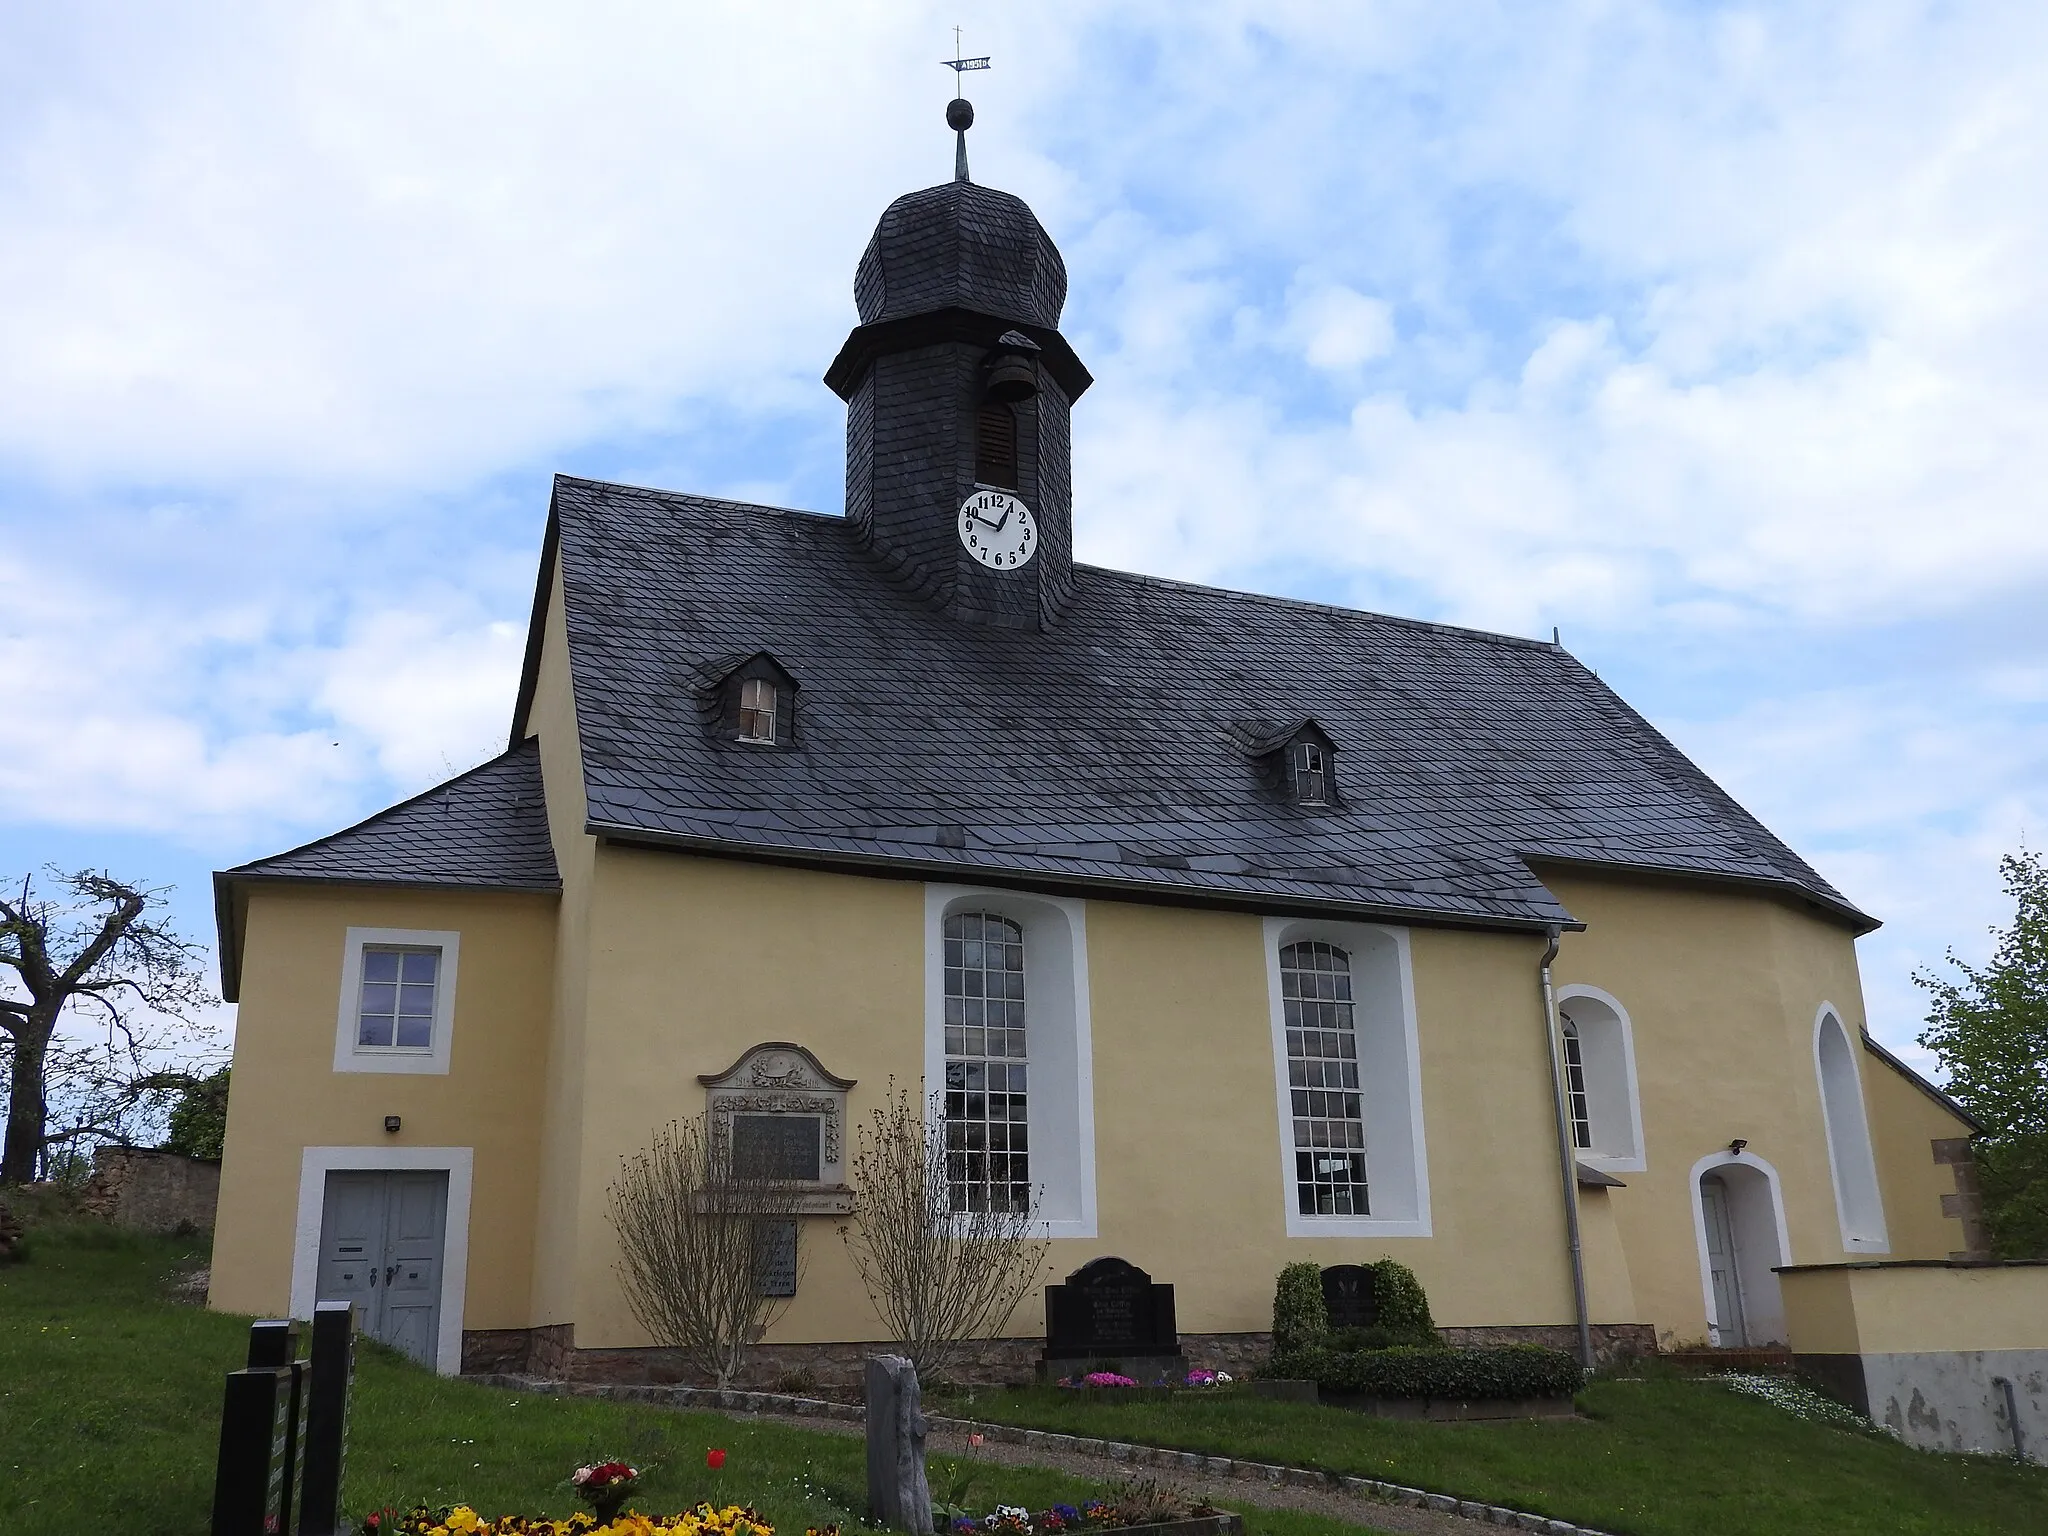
(389, 1271)
(373, 1277)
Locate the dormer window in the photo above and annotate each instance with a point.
(1311, 773)
(758, 704)
(1297, 761)
(748, 701)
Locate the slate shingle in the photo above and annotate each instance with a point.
(1109, 750)
(487, 827)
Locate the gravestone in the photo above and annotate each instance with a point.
(1348, 1296)
(330, 1375)
(275, 1344)
(898, 1495)
(249, 1494)
(1109, 1310)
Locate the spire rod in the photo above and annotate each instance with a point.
(960, 111)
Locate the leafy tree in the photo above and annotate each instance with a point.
(199, 1118)
(1989, 1028)
(99, 955)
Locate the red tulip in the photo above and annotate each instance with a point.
(714, 1459)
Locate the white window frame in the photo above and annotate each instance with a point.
(1059, 1047)
(1852, 1160)
(773, 711)
(351, 1057)
(1614, 1106)
(1390, 1078)
(459, 1163)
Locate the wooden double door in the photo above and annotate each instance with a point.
(382, 1244)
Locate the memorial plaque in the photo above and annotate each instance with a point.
(329, 1378)
(775, 1257)
(1348, 1296)
(249, 1477)
(1109, 1309)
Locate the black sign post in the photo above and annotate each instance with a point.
(326, 1439)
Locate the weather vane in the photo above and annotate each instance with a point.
(959, 111)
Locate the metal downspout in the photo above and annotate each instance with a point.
(1567, 1153)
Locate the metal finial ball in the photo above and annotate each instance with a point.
(960, 114)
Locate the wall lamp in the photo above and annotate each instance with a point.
(391, 1125)
(1734, 1146)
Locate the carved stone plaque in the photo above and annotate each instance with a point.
(778, 1104)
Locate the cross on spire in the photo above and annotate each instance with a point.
(960, 111)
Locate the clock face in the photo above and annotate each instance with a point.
(998, 530)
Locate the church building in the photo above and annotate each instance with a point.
(1232, 930)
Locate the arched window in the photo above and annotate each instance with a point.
(988, 1157)
(995, 445)
(1857, 1201)
(1575, 1088)
(1322, 1077)
(1597, 1045)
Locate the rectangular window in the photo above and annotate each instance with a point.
(1311, 780)
(757, 710)
(1323, 1084)
(988, 1153)
(779, 1146)
(395, 1005)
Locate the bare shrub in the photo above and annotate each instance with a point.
(694, 1223)
(940, 1265)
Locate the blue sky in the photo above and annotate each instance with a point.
(1712, 335)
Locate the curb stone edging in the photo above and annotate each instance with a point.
(735, 1401)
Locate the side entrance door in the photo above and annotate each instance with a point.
(381, 1239)
(1721, 1265)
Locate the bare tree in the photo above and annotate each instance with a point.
(98, 952)
(695, 1222)
(942, 1264)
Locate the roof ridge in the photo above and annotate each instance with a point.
(1140, 578)
(530, 744)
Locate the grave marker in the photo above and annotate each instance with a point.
(330, 1377)
(1110, 1310)
(1348, 1296)
(898, 1495)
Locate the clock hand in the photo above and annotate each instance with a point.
(1005, 522)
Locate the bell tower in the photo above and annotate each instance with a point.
(958, 383)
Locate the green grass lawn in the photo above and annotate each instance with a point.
(1664, 1456)
(110, 1410)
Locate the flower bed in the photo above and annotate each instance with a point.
(461, 1520)
(1117, 1381)
(1142, 1505)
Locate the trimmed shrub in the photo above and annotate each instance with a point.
(1461, 1375)
(1402, 1305)
(1300, 1320)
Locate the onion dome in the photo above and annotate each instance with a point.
(960, 246)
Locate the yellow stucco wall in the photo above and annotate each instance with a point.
(1882, 1310)
(287, 1095)
(1722, 988)
(1904, 1125)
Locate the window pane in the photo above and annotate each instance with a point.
(1330, 1177)
(380, 965)
(380, 997)
(371, 1030)
(415, 1034)
(421, 965)
(985, 990)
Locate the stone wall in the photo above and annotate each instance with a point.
(836, 1368)
(152, 1191)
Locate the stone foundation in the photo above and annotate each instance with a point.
(835, 1369)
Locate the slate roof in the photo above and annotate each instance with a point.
(1111, 752)
(958, 245)
(487, 827)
